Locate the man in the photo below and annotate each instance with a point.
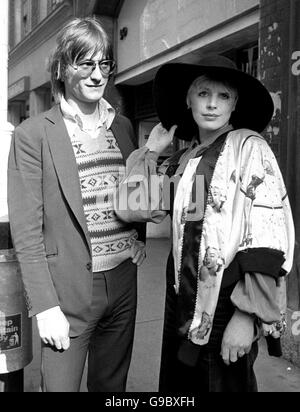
(78, 260)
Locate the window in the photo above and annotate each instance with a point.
(52, 4)
(25, 17)
(35, 13)
(247, 59)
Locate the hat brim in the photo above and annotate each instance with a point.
(254, 108)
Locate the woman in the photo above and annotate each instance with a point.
(233, 235)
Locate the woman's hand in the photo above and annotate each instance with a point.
(138, 252)
(160, 138)
(238, 337)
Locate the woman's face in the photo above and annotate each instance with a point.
(211, 103)
(211, 257)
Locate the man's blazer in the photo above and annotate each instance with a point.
(46, 214)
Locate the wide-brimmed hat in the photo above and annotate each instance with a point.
(254, 108)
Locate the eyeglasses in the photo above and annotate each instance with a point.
(86, 67)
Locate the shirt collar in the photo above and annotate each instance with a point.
(194, 148)
(107, 113)
(195, 142)
(194, 145)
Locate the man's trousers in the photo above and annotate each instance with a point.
(107, 340)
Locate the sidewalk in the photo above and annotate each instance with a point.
(273, 374)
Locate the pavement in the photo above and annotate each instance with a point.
(273, 374)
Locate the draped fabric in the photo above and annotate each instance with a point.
(231, 217)
(247, 208)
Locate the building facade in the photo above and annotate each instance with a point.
(262, 36)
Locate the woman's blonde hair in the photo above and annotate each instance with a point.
(205, 78)
(80, 36)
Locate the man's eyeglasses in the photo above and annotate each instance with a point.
(85, 68)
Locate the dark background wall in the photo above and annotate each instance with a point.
(279, 40)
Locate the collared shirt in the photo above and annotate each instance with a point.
(100, 167)
(72, 119)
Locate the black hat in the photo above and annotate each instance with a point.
(254, 108)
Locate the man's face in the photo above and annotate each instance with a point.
(87, 89)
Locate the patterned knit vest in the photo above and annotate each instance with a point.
(100, 167)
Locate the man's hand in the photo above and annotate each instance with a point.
(160, 138)
(138, 252)
(54, 328)
(238, 337)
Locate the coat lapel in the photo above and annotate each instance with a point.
(65, 165)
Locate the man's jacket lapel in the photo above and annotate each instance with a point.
(65, 165)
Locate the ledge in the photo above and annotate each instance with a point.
(223, 34)
(41, 33)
